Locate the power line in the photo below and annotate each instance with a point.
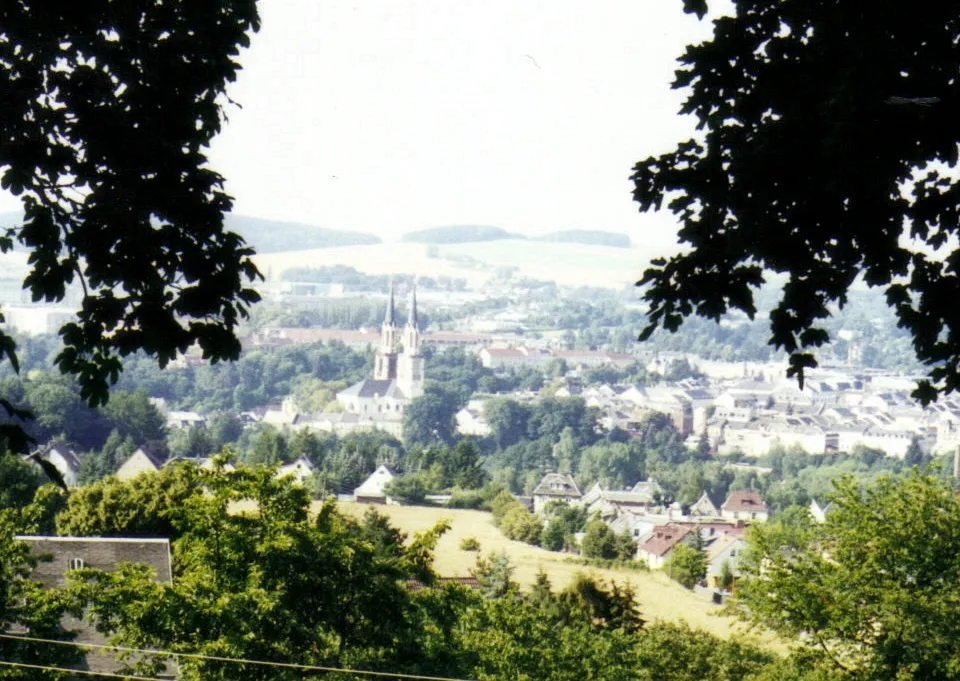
(238, 660)
(109, 675)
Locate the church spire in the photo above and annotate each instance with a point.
(388, 319)
(385, 362)
(412, 319)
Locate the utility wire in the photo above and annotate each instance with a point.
(109, 675)
(238, 660)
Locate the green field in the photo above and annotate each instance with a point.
(568, 264)
(659, 597)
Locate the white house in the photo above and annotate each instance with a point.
(371, 490)
(299, 470)
(64, 460)
(555, 487)
(725, 549)
(704, 508)
(744, 504)
(657, 547)
(470, 420)
(141, 461)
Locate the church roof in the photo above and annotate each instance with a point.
(370, 387)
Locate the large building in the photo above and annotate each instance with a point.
(379, 402)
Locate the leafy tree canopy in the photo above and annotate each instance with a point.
(872, 592)
(827, 140)
(106, 118)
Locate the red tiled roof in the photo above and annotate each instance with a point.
(665, 538)
(744, 500)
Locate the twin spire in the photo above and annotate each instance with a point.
(390, 318)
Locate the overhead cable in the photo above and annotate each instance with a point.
(238, 660)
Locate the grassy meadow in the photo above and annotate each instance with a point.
(659, 597)
(568, 264)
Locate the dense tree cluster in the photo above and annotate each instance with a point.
(822, 156)
(870, 593)
(106, 143)
(267, 580)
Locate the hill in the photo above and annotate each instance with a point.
(458, 234)
(266, 236)
(272, 236)
(660, 598)
(478, 263)
(590, 237)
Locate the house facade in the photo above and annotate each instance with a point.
(141, 461)
(656, 549)
(371, 490)
(555, 487)
(65, 460)
(744, 505)
(57, 556)
(298, 470)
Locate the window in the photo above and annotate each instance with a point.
(75, 564)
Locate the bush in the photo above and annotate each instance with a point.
(521, 525)
(501, 504)
(552, 537)
(599, 541)
(470, 499)
(469, 544)
(686, 565)
(408, 489)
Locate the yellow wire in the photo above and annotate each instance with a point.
(80, 671)
(215, 658)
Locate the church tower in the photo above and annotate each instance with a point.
(410, 362)
(385, 363)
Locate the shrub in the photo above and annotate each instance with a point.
(521, 525)
(469, 544)
(599, 541)
(469, 499)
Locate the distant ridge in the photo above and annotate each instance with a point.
(272, 236)
(458, 234)
(591, 237)
(266, 236)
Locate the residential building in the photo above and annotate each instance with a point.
(555, 487)
(57, 556)
(371, 491)
(744, 504)
(65, 460)
(704, 507)
(655, 550)
(298, 470)
(470, 420)
(141, 461)
(725, 549)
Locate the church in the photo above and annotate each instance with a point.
(379, 402)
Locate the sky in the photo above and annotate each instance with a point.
(387, 116)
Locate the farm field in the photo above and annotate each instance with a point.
(659, 597)
(567, 264)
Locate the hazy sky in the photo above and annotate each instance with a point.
(393, 115)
